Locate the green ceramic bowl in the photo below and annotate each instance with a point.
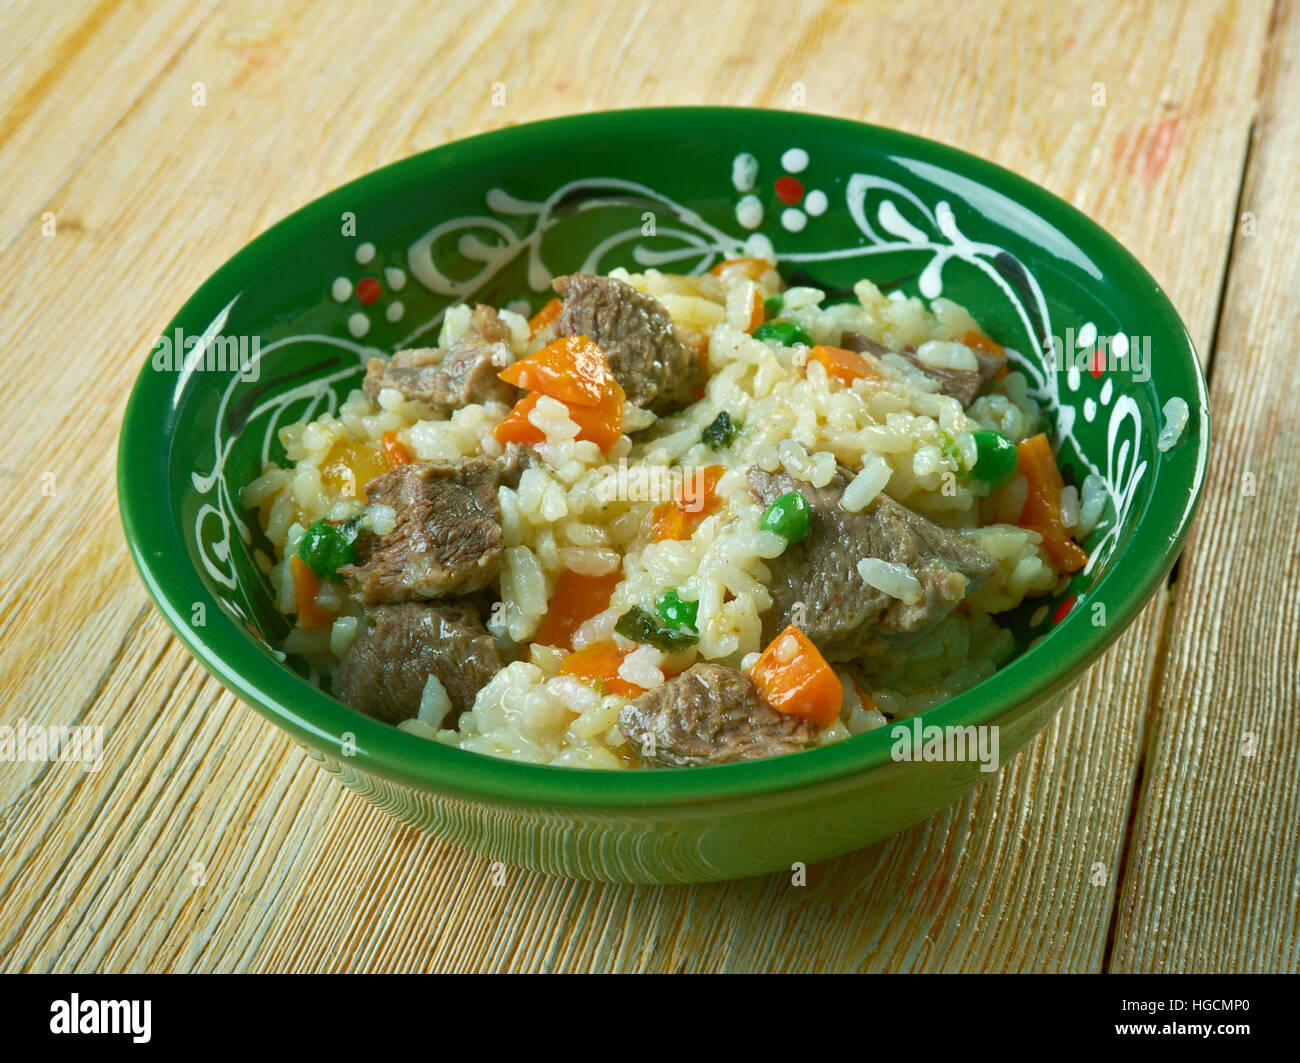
(281, 333)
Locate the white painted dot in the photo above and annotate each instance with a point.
(759, 246)
(341, 289)
(1119, 345)
(795, 160)
(365, 253)
(1089, 409)
(815, 202)
(1072, 378)
(1107, 389)
(749, 212)
(358, 325)
(1087, 335)
(793, 219)
(395, 311)
(744, 169)
(395, 277)
(520, 307)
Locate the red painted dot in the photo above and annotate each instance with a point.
(788, 189)
(367, 290)
(1063, 609)
(1097, 363)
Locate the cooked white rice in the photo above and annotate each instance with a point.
(904, 436)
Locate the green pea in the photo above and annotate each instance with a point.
(788, 516)
(676, 613)
(786, 333)
(772, 306)
(996, 457)
(327, 547)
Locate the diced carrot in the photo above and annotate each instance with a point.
(1037, 464)
(845, 366)
(572, 369)
(1066, 554)
(599, 662)
(306, 585)
(696, 499)
(755, 308)
(982, 343)
(545, 317)
(697, 494)
(793, 677)
(575, 600)
(395, 450)
(668, 522)
(753, 268)
(602, 425)
(1042, 512)
(515, 427)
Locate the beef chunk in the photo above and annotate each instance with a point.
(649, 360)
(384, 671)
(517, 458)
(465, 373)
(862, 343)
(840, 612)
(447, 540)
(962, 384)
(710, 714)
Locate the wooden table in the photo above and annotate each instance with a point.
(1152, 827)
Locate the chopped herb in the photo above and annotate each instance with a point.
(639, 625)
(327, 546)
(722, 432)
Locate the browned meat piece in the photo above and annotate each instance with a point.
(862, 343)
(447, 540)
(649, 360)
(465, 373)
(384, 671)
(816, 581)
(517, 458)
(962, 385)
(710, 714)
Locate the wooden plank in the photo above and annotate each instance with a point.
(197, 814)
(96, 869)
(1211, 882)
(53, 110)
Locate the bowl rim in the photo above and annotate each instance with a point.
(321, 722)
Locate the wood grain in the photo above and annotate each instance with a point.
(101, 871)
(1213, 880)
